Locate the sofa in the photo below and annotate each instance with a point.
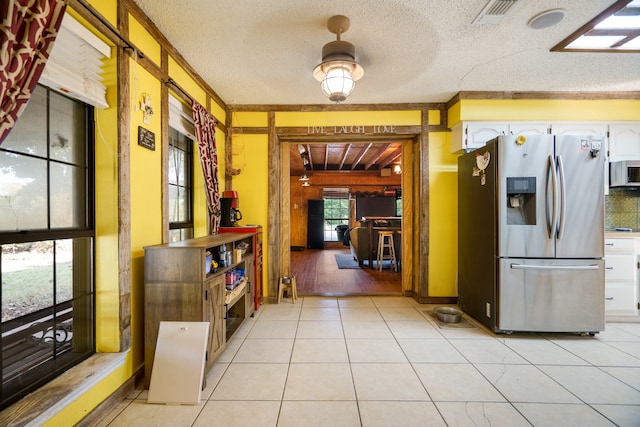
(361, 247)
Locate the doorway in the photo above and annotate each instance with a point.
(415, 201)
(355, 171)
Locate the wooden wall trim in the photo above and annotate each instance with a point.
(422, 206)
(302, 108)
(164, 123)
(124, 185)
(303, 133)
(273, 222)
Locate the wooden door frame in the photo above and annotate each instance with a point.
(415, 202)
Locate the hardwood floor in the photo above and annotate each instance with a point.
(317, 273)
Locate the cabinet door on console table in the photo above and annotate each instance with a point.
(215, 315)
(173, 302)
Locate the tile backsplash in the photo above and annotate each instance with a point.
(622, 208)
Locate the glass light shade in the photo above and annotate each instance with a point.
(338, 84)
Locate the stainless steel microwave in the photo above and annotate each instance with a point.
(624, 174)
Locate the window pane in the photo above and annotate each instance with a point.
(27, 275)
(67, 129)
(23, 192)
(178, 234)
(182, 205)
(29, 135)
(179, 186)
(174, 204)
(176, 166)
(68, 204)
(64, 270)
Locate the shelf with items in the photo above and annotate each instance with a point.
(182, 283)
(233, 295)
(255, 251)
(235, 307)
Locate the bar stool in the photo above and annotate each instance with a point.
(385, 241)
(288, 283)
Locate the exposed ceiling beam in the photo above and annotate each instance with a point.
(360, 156)
(394, 155)
(308, 148)
(326, 156)
(344, 156)
(376, 156)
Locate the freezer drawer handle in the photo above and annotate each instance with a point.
(554, 267)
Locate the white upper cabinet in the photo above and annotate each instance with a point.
(624, 141)
(580, 128)
(471, 135)
(528, 128)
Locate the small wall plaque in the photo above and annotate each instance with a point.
(146, 138)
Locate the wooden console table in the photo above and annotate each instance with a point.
(181, 284)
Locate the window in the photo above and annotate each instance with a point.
(617, 29)
(336, 212)
(180, 186)
(46, 243)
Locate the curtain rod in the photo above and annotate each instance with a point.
(175, 85)
(127, 43)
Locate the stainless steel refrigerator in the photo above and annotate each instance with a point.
(531, 234)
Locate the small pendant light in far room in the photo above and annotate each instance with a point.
(339, 70)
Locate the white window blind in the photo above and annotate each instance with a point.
(181, 117)
(75, 64)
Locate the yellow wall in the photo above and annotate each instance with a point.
(345, 118)
(142, 40)
(443, 215)
(106, 207)
(145, 198)
(549, 110)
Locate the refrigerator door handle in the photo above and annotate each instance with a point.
(554, 267)
(553, 220)
(563, 196)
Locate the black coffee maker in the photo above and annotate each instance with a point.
(229, 208)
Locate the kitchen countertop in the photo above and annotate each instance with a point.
(615, 233)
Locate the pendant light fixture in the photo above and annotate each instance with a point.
(338, 71)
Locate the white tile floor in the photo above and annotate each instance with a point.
(386, 362)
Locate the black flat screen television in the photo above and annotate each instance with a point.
(375, 206)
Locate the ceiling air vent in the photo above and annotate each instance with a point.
(494, 11)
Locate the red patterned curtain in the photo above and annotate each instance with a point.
(205, 126)
(28, 29)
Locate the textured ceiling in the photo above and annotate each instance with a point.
(263, 52)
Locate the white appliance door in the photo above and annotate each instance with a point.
(526, 196)
(580, 229)
(543, 295)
